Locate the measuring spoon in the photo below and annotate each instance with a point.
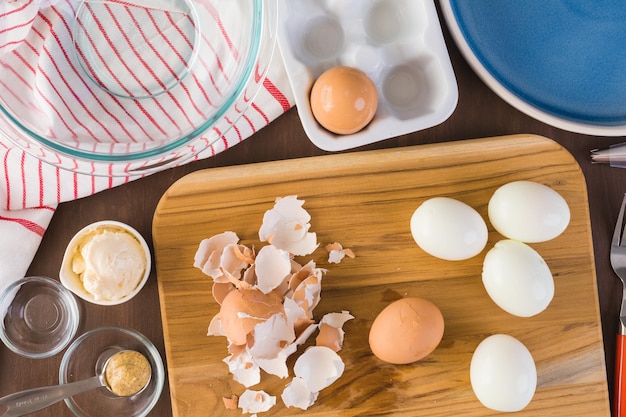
(108, 375)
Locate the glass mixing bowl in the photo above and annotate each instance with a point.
(117, 88)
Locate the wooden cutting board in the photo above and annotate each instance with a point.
(364, 200)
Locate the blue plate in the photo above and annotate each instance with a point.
(560, 61)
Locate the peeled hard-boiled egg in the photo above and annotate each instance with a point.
(406, 331)
(448, 229)
(528, 211)
(503, 373)
(517, 278)
(344, 100)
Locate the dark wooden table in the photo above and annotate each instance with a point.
(480, 113)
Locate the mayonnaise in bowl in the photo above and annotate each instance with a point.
(106, 263)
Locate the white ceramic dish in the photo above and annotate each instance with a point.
(73, 282)
(397, 43)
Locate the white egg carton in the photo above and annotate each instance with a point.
(397, 43)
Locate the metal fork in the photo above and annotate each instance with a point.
(618, 262)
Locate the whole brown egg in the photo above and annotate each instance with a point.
(344, 100)
(406, 331)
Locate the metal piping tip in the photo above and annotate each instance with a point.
(614, 155)
(600, 156)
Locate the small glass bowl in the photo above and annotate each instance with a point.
(39, 317)
(81, 359)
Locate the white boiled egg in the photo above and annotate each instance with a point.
(448, 229)
(517, 278)
(503, 373)
(528, 211)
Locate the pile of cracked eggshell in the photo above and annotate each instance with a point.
(267, 301)
(503, 374)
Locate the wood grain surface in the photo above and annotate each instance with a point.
(365, 200)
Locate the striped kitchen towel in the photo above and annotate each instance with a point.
(31, 190)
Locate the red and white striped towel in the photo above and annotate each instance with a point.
(30, 190)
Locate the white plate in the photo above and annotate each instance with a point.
(397, 43)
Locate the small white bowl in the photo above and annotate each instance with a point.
(73, 282)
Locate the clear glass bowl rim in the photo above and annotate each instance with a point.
(158, 374)
(68, 300)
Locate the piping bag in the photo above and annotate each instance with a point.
(615, 155)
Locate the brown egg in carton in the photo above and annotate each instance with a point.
(398, 44)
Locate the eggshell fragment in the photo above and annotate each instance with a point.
(406, 331)
(286, 226)
(220, 290)
(271, 336)
(517, 278)
(272, 265)
(215, 327)
(231, 403)
(306, 287)
(336, 253)
(277, 364)
(528, 211)
(241, 310)
(256, 401)
(448, 229)
(331, 332)
(297, 394)
(503, 373)
(234, 260)
(319, 367)
(209, 253)
(243, 368)
(296, 315)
